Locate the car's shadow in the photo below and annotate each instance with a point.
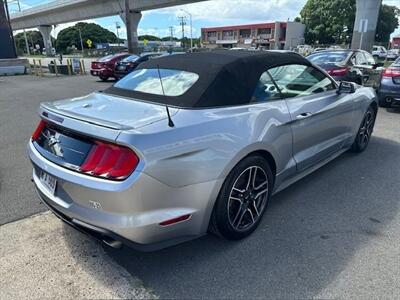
(395, 109)
(307, 237)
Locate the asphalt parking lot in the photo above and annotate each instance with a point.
(334, 234)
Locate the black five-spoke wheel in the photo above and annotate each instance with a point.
(365, 132)
(243, 198)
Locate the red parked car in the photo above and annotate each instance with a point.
(104, 67)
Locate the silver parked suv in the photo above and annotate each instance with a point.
(194, 142)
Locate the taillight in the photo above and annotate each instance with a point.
(338, 72)
(110, 161)
(391, 72)
(38, 130)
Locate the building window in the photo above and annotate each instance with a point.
(245, 33)
(211, 34)
(264, 31)
(227, 33)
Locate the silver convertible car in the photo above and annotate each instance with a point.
(192, 143)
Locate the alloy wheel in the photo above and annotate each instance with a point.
(247, 198)
(366, 129)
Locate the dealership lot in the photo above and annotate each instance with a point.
(334, 234)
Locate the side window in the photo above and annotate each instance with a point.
(300, 80)
(360, 59)
(369, 58)
(265, 90)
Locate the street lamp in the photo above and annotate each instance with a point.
(191, 28)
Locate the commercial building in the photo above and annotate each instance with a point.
(274, 35)
(396, 42)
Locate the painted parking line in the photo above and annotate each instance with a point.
(40, 257)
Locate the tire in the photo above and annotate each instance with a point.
(103, 78)
(383, 103)
(239, 207)
(364, 132)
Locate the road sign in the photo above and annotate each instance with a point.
(89, 43)
(363, 25)
(145, 42)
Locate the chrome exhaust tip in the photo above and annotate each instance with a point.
(112, 243)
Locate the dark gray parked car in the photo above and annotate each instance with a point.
(349, 65)
(389, 87)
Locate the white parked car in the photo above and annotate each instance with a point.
(379, 52)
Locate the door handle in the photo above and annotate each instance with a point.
(304, 115)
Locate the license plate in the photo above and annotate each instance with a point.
(121, 68)
(48, 181)
(396, 80)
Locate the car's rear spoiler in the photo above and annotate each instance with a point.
(47, 108)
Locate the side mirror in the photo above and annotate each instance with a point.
(346, 87)
(378, 65)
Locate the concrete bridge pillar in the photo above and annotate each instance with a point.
(365, 24)
(133, 22)
(45, 30)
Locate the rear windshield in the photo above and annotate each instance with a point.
(105, 58)
(328, 57)
(130, 58)
(174, 82)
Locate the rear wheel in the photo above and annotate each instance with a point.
(385, 102)
(243, 198)
(365, 131)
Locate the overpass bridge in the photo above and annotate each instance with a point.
(46, 15)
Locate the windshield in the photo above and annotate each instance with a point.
(130, 58)
(174, 82)
(328, 57)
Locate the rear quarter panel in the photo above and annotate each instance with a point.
(206, 144)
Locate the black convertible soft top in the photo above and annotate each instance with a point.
(225, 77)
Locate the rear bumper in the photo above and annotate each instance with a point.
(391, 91)
(129, 211)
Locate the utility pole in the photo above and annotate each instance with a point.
(118, 26)
(128, 27)
(191, 29)
(171, 35)
(171, 38)
(183, 23)
(80, 36)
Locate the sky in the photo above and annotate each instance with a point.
(204, 14)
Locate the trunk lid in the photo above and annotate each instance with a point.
(110, 111)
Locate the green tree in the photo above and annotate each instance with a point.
(328, 22)
(148, 37)
(34, 38)
(332, 22)
(387, 23)
(70, 36)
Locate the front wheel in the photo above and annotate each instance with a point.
(365, 131)
(103, 78)
(243, 198)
